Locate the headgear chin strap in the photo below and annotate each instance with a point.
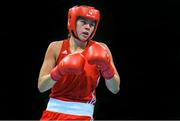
(88, 12)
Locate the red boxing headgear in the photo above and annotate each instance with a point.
(82, 11)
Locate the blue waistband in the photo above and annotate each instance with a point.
(74, 108)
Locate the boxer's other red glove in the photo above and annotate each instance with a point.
(97, 54)
(72, 63)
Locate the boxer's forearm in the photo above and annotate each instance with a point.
(113, 84)
(45, 83)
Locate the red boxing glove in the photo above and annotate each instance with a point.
(98, 55)
(72, 63)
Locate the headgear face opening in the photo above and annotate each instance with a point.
(82, 11)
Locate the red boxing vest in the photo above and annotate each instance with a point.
(77, 88)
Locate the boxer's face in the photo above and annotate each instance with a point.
(84, 28)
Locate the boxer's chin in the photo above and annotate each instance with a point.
(83, 38)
